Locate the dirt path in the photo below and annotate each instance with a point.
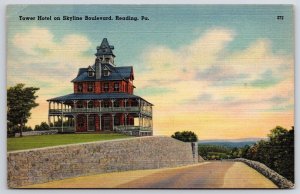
(204, 175)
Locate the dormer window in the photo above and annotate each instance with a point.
(90, 73)
(105, 72)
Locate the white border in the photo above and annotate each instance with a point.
(3, 3)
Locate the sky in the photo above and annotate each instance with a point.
(222, 71)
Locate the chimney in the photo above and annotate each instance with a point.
(98, 68)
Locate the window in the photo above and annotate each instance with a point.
(116, 103)
(117, 121)
(105, 72)
(116, 87)
(107, 60)
(79, 105)
(91, 104)
(106, 104)
(91, 87)
(106, 87)
(90, 73)
(79, 87)
(80, 122)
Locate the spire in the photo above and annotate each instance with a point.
(105, 49)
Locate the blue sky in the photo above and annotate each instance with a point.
(215, 61)
(168, 25)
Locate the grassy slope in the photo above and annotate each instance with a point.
(30, 142)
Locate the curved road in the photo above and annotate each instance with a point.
(219, 174)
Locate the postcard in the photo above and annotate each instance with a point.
(150, 96)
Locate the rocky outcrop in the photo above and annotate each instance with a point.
(276, 178)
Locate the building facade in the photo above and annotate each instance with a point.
(103, 100)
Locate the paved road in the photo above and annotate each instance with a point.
(204, 175)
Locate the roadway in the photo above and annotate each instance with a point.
(215, 174)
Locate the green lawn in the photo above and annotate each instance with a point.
(29, 142)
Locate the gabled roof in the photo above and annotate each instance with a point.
(116, 73)
(105, 48)
(90, 68)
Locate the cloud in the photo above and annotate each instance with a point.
(204, 76)
(37, 58)
(38, 41)
(201, 85)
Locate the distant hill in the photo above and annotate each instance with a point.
(231, 142)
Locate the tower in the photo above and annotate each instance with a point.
(105, 53)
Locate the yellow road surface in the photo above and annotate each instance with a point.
(219, 174)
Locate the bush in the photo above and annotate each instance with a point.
(42, 127)
(185, 136)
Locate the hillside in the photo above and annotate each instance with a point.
(231, 143)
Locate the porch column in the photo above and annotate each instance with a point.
(112, 103)
(74, 103)
(75, 123)
(49, 120)
(87, 122)
(139, 120)
(62, 120)
(62, 124)
(100, 103)
(87, 105)
(113, 121)
(125, 103)
(125, 120)
(139, 104)
(100, 121)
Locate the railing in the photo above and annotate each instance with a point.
(131, 128)
(67, 129)
(102, 110)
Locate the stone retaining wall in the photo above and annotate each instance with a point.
(55, 163)
(276, 178)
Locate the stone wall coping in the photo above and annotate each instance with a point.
(93, 142)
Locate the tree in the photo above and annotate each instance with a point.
(185, 136)
(277, 152)
(20, 100)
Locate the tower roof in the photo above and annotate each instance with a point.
(105, 48)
